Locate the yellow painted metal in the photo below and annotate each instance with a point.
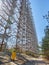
(13, 55)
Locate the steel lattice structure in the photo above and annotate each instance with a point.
(26, 34)
(19, 12)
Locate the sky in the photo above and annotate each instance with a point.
(39, 9)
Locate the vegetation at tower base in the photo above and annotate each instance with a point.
(45, 42)
(30, 53)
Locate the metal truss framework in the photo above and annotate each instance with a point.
(26, 34)
(19, 11)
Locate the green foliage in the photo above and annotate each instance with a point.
(31, 54)
(45, 47)
(11, 50)
(45, 43)
(14, 49)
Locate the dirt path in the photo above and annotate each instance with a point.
(21, 60)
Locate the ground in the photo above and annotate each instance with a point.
(21, 59)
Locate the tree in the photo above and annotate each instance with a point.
(7, 19)
(45, 40)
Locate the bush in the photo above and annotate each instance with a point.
(31, 54)
(46, 54)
